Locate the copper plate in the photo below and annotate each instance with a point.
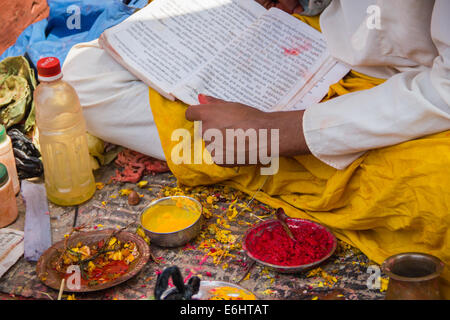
(52, 278)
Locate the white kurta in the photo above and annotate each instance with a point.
(412, 49)
(115, 103)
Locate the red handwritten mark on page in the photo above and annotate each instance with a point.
(291, 52)
(297, 50)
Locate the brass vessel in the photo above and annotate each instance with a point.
(413, 276)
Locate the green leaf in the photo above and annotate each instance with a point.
(17, 83)
(17, 96)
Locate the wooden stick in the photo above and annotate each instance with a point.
(61, 288)
(250, 267)
(253, 198)
(75, 218)
(118, 209)
(42, 292)
(156, 186)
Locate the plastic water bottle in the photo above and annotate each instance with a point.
(62, 136)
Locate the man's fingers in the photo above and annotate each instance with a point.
(288, 5)
(207, 105)
(204, 99)
(194, 113)
(266, 3)
(298, 10)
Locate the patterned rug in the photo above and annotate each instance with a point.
(344, 276)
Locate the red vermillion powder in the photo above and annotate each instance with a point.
(271, 244)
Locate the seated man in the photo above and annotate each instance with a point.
(411, 48)
(392, 199)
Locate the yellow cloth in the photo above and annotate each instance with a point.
(390, 200)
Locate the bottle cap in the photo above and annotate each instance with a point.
(3, 175)
(49, 69)
(2, 133)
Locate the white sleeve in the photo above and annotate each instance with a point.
(409, 105)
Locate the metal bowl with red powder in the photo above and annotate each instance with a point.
(268, 244)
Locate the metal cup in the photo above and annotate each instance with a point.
(176, 238)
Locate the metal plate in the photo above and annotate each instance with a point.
(205, 288)
(288, 269)
(52, 278)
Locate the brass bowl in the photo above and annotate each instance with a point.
(288, 269)
(176, 238)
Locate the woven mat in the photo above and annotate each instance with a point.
(348, 266)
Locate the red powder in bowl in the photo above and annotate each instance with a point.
(269, 242)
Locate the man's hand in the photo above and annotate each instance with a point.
(290, 6)
(221, 115)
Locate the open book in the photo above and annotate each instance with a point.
(234, 50)
(11, 248)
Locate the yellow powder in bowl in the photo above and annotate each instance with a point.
(168, 218)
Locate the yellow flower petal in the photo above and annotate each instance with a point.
(142, 184)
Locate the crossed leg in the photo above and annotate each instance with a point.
(115, 103)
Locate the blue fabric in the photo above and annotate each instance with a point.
(55, 36)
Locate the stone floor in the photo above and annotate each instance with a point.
(343, 276)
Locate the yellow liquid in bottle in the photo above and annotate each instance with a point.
(62, 137)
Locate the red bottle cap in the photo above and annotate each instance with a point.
(49, 69)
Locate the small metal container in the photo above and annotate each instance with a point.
(413, 276)
(176, 238)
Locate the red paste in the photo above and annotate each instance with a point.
(111, 271)
(135, 165)
(271, 244)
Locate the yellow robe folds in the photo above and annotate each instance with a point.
(391, 200)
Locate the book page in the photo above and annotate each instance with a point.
(11, 248)
(168, 39)
(318, 88)
(266, 65)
